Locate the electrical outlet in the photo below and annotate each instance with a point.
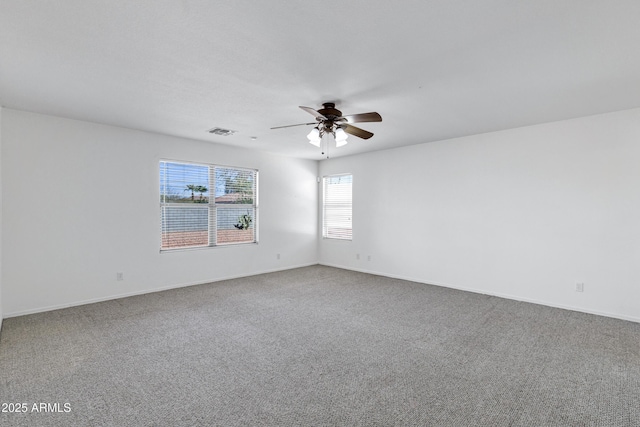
(579, 287)
(277, 256)
(368, 257)
(357, 256)
(119, 276)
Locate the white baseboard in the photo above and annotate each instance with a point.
(145, 291)
(495, 294)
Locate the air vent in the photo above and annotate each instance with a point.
(223, 132)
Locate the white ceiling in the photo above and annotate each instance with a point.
(433, 69)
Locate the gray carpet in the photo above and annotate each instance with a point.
(320, 346)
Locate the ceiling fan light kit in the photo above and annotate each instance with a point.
(330, 121)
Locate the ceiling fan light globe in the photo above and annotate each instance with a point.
(315, 142)
(341, 142)
(314, 135)
(341, 137)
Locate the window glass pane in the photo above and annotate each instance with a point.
(184, 226)
(235, 225)
(235, 186)
(337, 209)
(184, 183)
(189, 216)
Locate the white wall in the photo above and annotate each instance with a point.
(524, 213)
(81, 202)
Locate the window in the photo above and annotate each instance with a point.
(206, 205)
(336, 218)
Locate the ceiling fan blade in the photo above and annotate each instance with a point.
(355, 131)
(364, 117)
(290, 126)
(314, 113)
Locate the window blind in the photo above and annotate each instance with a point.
(337, 207)
(206, 205)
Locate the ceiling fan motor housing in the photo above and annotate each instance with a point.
(329, 111)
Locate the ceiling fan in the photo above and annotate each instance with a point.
(330, 121)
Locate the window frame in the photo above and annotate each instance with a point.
(324, 225)
(213, 208)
